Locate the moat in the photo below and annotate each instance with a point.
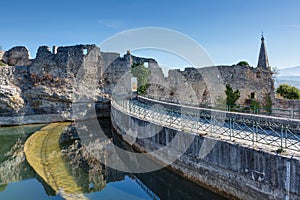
(96, 181)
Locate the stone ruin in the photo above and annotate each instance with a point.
(16, 56)
(56, 79)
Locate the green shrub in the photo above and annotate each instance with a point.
(288, 92)
(255, 105)
(142, 73)
(268, 103)
(243, 63)
(231, 96)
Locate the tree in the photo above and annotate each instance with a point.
(142, 73)
(243, 63)
(288, 92)
(254, 105)
(268, 103)
(232, 96)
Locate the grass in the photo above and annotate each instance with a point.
(2, 64)
(43, 153)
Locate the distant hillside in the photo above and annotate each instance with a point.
(290, 76)
(291, 71)
(290, 80)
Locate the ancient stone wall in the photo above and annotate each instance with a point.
(108, 58)
(207, 85)
(287, 108)
(56, 79)
(288, 104)
(78, 73)
(52, 82)
(10, 93)
(17, 56)
(119, 68)
(1, 54)
(249, 80)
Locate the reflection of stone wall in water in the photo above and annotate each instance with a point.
(13, 164)
(88, 172)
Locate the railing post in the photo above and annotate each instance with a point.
(212, 124)
(230, 128)
(129, 106)
(255, 130)
(286, 134)
(281, 141)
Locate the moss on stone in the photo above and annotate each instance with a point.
(43, 153)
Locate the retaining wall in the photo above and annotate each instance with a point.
(233, 170)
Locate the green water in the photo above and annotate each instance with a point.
(19, 181)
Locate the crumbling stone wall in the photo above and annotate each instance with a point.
(1, 54)
(249, 80)
(16, 56)
(53, 81)
(10, 93)
(58, 78)
(207, 85)
(117, 69)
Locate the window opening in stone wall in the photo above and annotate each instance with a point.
(85, 51)
(146, 64)
(258, 75)
(252, 95)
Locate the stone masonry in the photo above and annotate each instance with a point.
(56, 79)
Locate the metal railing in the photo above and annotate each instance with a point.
(276, 112)
(239, 127)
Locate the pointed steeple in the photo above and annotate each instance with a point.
(263, 61)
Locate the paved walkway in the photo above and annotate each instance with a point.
(246, 133)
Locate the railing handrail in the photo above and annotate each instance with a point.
(290, 113)
(223, 113)
(282, 134)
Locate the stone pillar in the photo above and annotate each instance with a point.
(54, 49)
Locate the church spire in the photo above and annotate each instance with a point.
(263, 61)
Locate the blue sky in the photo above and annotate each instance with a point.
(228, 30)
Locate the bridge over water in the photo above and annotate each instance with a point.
(265, 132)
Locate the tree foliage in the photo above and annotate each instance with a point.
(288, 92)
(142, 73)
(268, 103)
(243, 63)
(254, 105)
(231, 96)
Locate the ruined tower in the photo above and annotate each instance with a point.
(263, 61)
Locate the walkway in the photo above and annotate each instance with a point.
(264, 132)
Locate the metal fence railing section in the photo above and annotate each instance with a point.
(276, 112)
(239, 127)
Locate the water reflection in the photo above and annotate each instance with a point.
(13, 165)
(96, 180)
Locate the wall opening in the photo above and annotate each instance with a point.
(146, 64)
(252, 95)
(258, 74)
(85, 52)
